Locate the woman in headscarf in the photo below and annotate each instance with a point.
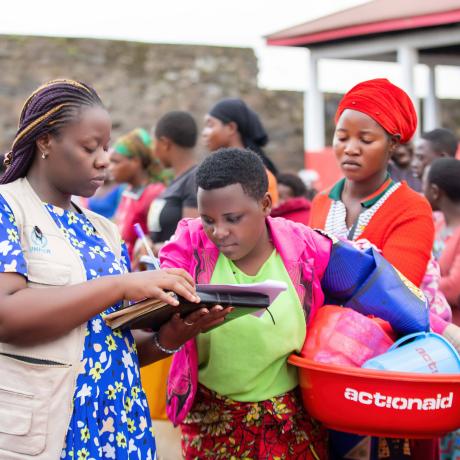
(372, 119)
(131, 162)
(231, 123)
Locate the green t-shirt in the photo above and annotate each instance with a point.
(246, 359)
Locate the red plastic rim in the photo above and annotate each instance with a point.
(378, 402)
(305, 363)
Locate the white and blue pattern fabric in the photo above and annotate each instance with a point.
(336, 221)
(110, 418)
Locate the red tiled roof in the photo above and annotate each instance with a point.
(377, 16)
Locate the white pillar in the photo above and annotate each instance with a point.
(408, 59)
(431, 104)
(313, 109)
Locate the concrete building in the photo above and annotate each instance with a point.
(408, 32)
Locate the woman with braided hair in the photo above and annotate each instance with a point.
(70, 385)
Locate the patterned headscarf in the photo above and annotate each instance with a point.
(139, 144)
(136, 144)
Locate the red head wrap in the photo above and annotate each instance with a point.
(384, 102)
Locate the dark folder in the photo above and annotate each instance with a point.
(153, 313)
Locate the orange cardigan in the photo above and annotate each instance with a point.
(272, 187)
(402, 228)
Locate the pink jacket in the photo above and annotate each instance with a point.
(305, 254)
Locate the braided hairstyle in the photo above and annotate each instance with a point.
(46, 110)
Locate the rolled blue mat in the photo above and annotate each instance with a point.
(366, 282)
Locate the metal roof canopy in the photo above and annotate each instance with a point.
(408, 32)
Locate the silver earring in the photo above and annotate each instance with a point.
(44, 155)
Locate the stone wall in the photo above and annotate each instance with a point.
(139, 82)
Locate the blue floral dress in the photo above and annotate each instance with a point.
(110, 416)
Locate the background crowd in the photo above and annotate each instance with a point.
(399, 194)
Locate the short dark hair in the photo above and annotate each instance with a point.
(442, 141)
(294, 182)
(178, 126)
(230, 166)
(445, 173)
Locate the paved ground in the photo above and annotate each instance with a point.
(168, 440)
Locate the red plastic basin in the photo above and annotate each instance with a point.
(379, 403)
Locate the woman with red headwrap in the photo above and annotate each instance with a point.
(372, 119)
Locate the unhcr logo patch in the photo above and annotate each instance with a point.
(39, 242)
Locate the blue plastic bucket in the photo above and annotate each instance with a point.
(427, 353)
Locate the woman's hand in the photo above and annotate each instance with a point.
(58, 310)
(177, 331)
(154, 284)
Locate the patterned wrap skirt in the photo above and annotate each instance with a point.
(275, 429)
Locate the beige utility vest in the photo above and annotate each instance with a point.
(37, 383)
